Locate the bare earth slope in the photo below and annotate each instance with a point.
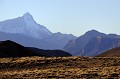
(60, 67)
(115, 52)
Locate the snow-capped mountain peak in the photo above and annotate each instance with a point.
(25, 25)
(27, 14)
(28, 17)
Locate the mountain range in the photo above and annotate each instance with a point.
(25, 31)
(92, 43)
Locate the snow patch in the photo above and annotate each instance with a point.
(24, 25)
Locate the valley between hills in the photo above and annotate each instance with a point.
(60, 68)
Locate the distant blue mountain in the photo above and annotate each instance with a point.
(25, 25)
(25, 31)
(92, 43)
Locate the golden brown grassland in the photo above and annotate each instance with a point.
(60, 68)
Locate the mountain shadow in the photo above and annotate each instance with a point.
(11, 49)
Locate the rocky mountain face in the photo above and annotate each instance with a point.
(77, 45)
(25, 31)
(99, 45)
(92, 43)
(25, 25)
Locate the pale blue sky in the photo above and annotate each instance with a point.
(67, 16)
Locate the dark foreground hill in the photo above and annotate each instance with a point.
(11, 49)
(115, 52)
(49, 53)
(60, 68)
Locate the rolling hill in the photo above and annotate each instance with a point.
(11, 49)
(115, 52)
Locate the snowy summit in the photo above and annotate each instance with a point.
(25, 25)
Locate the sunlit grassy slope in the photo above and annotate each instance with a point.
(60, 67)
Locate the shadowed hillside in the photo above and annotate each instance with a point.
(11, 49)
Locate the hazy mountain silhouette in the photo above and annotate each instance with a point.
(99, 45)
(75, 46)
(24, 25)
(27, 41)
(60, 39)
(25, 31)
(92, 43)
